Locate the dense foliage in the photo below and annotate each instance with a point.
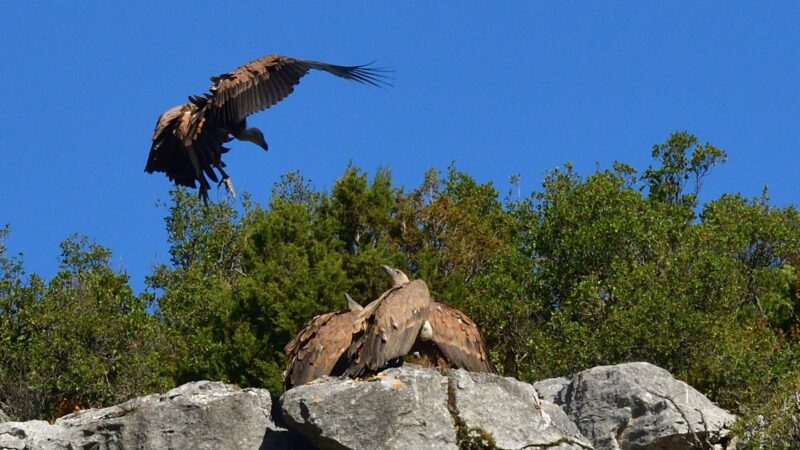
(82, 339)
(620, 265)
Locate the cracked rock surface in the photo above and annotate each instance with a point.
(638, 406)
(200, 415)
(505, 413)
(628, 406)
(413, 407)
(399, 408)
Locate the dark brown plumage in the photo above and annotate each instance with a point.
(319, 348)
(188, 139)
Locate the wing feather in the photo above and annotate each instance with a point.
(459, 339)
(316, 351)
(389, 328)
(186, 147)
(263, 82)
(166, 153)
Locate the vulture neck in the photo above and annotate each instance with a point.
(399, 280)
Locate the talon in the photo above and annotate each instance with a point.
(228, 186)
(203, 194)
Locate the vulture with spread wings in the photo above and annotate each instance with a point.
(188, 139)
(405, 320)
(386, 329)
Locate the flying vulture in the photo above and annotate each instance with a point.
(188, 139)
(387, 328)
(318, 349)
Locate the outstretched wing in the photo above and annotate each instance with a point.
(264, 82)
(317, 349)
(459, 339)
(391, 328)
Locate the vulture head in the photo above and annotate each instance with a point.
(398, 277)
(352, 305)
(253, 135)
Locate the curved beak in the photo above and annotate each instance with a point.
(263, 143)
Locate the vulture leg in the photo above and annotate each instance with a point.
(229, 186)
(203, 194)
(226, 180)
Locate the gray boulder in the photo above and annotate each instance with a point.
(397, 409)
(550, 388)
(638, 405)
(200, 415)
(413, 407)
(504, 413)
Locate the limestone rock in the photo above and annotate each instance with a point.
(504, 413)
(413, 407)
(639, 405)
(200, 415)
(629, 406)
(35, 434)
(397, 409)
(550, 388)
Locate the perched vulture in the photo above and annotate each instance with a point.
(406, 321)
(387, 328)
(455, 342)
(319, 348)
(188, 139)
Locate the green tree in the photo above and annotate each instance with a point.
(17, 301)
(668, 182)
(84, 339)
(196, 304)
(294, 269)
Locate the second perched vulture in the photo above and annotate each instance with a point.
(188, 139)
(319, 348)
(387, 328)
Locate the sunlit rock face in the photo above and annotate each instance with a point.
(414, 407)
(627, 406)
(637, 405)
(200, 415)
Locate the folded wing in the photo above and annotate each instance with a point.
(390, 328)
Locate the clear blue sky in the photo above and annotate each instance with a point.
(518, 88)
